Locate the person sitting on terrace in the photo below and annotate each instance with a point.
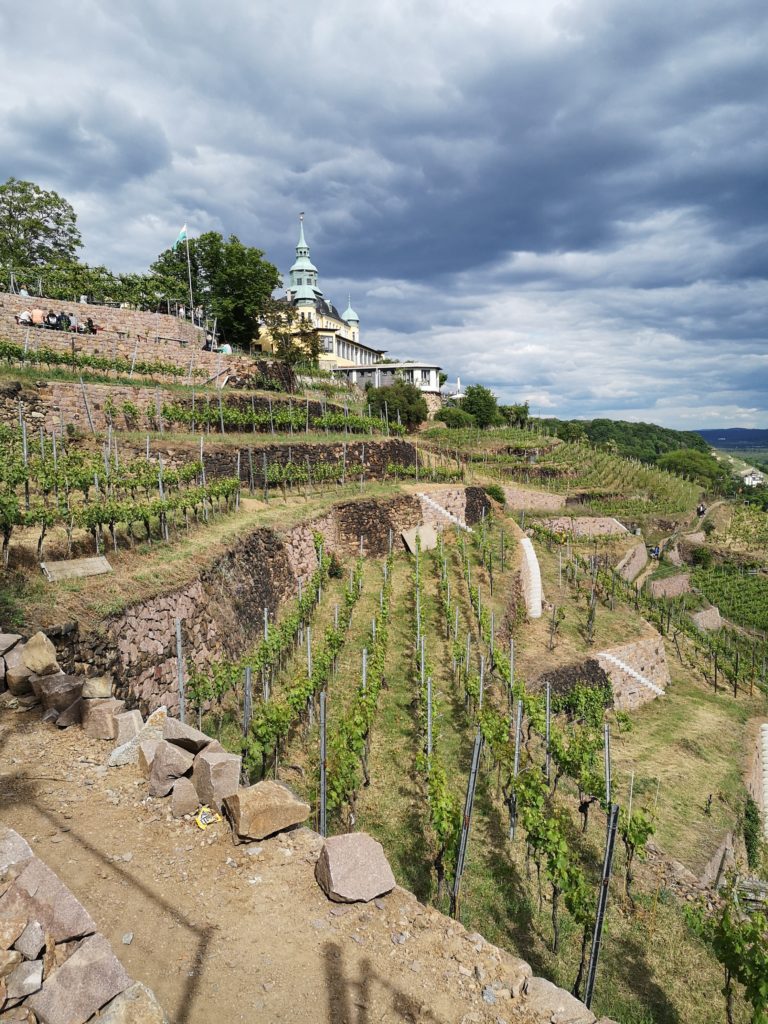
(91, 327)
(63, 321)
(23, 291)
(208, 346)
(37, 317)
(51, 320)
(24, 318)
(74, 323)
(225, 349)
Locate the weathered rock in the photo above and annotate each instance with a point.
(185, 736)
(146, 755)
(128, 752)
(99, 718)
(215, 777)
(547, 1002)
(10, 929)
(8, 640)
(129, 725)
(97, 688)
(169, 763)
(26, 979)
(58, 691)
(16, 673)
(261, 810)
(136, 1005)
(90, 978)
(39, 655)
(183, 798)
(51, 715)
(73, 715)
(38, 895)
(14, 851)
(352, 868)
(9, 961)
(31, 940)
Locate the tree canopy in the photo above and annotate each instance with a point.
(36, 227)
(400, 397)
(231, 281)
(481, 403)
(699, 466)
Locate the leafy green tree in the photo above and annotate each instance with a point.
(36, 227)
(515, 415)
(699, 466)
(455, 418)
(571, 430)
(231, 281)
(481, 403)
(400, 397)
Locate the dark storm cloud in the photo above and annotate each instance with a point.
(565, 200)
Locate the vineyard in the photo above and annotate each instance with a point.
(408, 664)
(599, 482)
(741, 595)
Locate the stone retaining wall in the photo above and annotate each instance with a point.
(520, 498)
(670, 586)
(531, 577)
(586, 526)
(222, 610)
(647, 657)
(633, 563)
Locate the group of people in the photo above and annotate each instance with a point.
(211, 346)
(56, 321)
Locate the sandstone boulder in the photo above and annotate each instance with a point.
(39, 655)
(16, 673)
(146, 755)
(82, 985)
(215, 777)
(9, 961)
(261, 810)
(72, 716)
(10, 930)
(8, 640)
(183, 798)
(546, 1001)
(128, 752)
(26, 979)
(14, 851)
(97, 688)
(31, 941)
(99, 718)
(136, 1005)
(58, 691)
(129, 725)
(185, 736)
(352, 868)
(38, 895)
(169, 763)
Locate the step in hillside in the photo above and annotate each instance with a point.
(442, 513)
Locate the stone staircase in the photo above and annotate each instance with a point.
(632, 673)
(443, 512)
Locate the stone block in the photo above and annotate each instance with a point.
(215, 777)
(14, 851)
(259, 811)
(39, 655)
(545, 1001)
(38, 895)
(58, 691)
(185, 736)
(183, 798)
(72, 716)
(9, 961)
(91, 977)
(8, 640)
(16, 673)
(26, 979)
(352, 868)
(10, 929)
(99, 718)
(31, 941)
(146, 755)
(97, 688)
(129, 724)
(169, 763)
(129, 752)
(136, 1005)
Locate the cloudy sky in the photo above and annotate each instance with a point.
(566, 201)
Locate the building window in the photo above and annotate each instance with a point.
(425, 376)
(326, 343)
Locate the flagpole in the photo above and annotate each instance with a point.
(189, 275)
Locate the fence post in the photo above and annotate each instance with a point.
(548, 768)
(429, 720)
(602, 902)
(323, 766)
(180, 671)
(466, 820)
(247, 700)
(516, 768)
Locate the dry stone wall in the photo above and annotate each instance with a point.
(646, 657)
(670, 586)
(633, 563)
(519, 498)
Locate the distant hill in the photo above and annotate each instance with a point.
(735, 438)
(644, 441)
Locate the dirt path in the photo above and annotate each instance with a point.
(224, 933)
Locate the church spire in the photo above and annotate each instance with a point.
(302, 243)
(303, 274)
(349, 314)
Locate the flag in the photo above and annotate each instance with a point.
(182, 237)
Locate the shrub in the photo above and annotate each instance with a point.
(496, 492)
(752, 830)
(455, 418)
(400, 397)
(702, 557)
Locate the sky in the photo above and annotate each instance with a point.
(564, 201)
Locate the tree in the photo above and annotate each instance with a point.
(400, 397)
(480, 402)
(699, 466)
(36, 227)
(231, 281)
(295, 339)
(455, 418)
(515, 415)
